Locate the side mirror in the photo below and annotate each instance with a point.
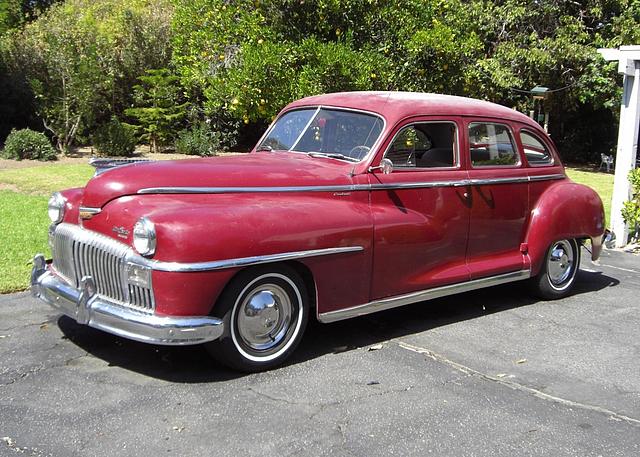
(386, 165)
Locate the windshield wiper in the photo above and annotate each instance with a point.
(264, 147)
(333, 155)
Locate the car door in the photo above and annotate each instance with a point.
(499, 198)
(420, 211)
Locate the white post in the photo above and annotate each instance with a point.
(628, 58)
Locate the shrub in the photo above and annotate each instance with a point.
(631, 209)
(115, 139)
(199, 140)
(28, 144)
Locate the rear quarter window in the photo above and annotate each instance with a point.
(535, 150)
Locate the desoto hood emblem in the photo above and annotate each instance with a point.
(121, 232)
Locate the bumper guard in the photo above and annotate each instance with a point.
(87, 308)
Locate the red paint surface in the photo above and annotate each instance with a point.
(413, 239)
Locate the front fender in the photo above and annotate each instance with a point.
(208, 228)
(565, 210)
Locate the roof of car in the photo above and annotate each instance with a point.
(395, 106)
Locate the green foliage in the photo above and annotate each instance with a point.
(199, 140)
(158, 112)
(242, 61)
(17, 108)
(28, 144)
(248, 59)
(14, 13)
(631, 208)
(82, 58)
(115, 139)
(269, 75)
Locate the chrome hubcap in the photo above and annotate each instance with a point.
(264, 317)
(561, 262)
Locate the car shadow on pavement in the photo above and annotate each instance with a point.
(192, 364)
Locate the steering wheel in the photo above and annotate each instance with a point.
(359, 150)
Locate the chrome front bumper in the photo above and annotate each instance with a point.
(85, 307)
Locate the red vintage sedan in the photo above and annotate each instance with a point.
(351, 203)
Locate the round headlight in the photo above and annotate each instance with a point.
(56, 207)
(144, 237)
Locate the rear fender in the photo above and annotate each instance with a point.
(566, 210)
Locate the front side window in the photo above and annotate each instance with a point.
(336, 133)
(491, 145)
(535, 150)
(424, 145)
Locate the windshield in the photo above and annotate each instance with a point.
(335, 133)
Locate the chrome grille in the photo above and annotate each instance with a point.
(78, 252)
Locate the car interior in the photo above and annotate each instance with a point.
(424, 145)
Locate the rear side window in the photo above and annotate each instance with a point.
(492, 145)
(535, 149)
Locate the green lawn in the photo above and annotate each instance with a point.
(602, 183)
(23, 216)
(23, 225)
(47, 178)
(24, 222)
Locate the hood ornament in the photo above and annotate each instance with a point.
(101, 165)
(87, 212)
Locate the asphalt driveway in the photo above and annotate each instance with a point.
(492, 372)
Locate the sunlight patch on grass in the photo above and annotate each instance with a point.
(601, 182)
(24, 227)
(45, 179)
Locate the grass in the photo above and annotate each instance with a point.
(47, 178)
(602, 183)
(24, 222)
(23, 225)
(23, 216)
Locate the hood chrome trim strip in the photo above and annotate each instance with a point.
(347, 188)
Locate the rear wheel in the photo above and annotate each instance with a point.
(265, 311)
(558, 273)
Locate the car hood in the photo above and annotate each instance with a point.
(254, 170)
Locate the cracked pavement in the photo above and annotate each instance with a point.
(487, 373)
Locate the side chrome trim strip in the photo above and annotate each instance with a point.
(250, 190)
(429, 294)
(419, 185)
(243, 261)
(490, 181)
(346, 188)
(546, 177)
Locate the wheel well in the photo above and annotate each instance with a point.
(300, 268)
(307, 277)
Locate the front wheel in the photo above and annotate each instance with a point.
(265, 312)
(558, 273)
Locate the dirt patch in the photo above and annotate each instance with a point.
(10, 187)
(82, 155)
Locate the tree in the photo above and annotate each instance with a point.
(14, 13)
(82, 59)
(158, 112)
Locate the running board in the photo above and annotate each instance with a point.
(429, 294)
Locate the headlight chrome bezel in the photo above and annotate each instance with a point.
(144, 237)
(56, 207)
